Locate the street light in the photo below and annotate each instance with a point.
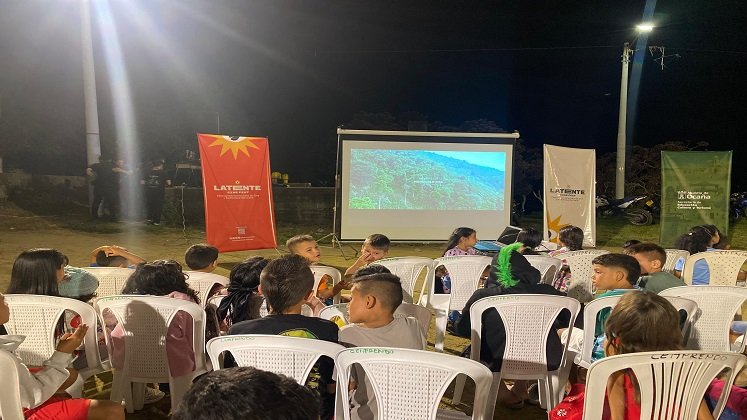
(622, 118)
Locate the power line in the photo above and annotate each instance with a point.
(460, 50)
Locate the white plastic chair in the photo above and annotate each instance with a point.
(423, 315)
(465, 273)
(10, 398)
(203, 283)
(592, 309)
(145, 321)
(716, 308)
(723, 266)
(409, 384)
(691, 309)
(408, 269)
(672, 383)
(548, 266)
(290, 356)
(527, 321)
(673, 255)
(111, 279)
(331, 311)
(319, 272)
(37, 317)
(581, 286)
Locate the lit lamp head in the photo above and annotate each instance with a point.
(645, 27)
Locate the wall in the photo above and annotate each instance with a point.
(308, 206)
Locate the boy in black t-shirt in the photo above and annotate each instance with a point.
(155, 181)
(287, 283)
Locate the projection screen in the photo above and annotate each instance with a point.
(420, 186)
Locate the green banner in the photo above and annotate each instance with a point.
(694, 191)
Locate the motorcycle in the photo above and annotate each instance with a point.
(639, 209)
(737, 205)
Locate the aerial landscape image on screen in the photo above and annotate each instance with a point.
(426, 180)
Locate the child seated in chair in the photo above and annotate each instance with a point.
(162, 278)
(371, 309)
(287, 284)
(42, 392)
(374, 248)
(243, 300)
(640, 322)
(617, 274)
(114, 256)
(202, 257)
(306, 246)
(651, 258)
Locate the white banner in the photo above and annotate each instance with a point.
(570, 191)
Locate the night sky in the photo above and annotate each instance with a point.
(295, 70)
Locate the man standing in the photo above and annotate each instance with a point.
(155, 181)
(103, 179)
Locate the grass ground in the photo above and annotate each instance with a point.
(74, 235)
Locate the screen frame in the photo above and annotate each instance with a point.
(344, 135)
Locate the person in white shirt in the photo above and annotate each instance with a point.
(371, 309)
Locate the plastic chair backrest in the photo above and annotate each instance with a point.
(408, 269)
(465, 273)
(673, 255)
(672, 383)
(145, 321)
(691, 310)
(548, 266)
(305, 310)
(716, 308)
(423, 315)
(203, 283)
(111, 279)
(581, 287)
(10, 398)
(723, 266)
(37, 317)
(340, 309)
(527, 320)
(290, 356)
(319, 272)
(398, 377)
(591, 310)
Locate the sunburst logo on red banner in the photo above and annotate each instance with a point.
(235, 145)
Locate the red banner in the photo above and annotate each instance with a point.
(238, 192)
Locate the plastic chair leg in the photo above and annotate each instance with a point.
(178, 387)
(138, 395)
(458, 389)
(441, 319)
(493, 395)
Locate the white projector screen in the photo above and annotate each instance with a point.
(420, 186)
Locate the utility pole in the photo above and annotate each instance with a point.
(621, 122)
(93, 143)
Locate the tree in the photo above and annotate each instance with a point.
(643, 174)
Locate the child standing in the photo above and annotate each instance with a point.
(42, 393)
(651, 258)
(371, 311)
